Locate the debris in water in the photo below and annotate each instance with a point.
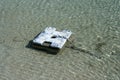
(51, 40)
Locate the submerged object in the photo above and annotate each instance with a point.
(51, 40)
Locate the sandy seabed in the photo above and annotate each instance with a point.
(96, 28)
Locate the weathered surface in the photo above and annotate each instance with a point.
(95, 23)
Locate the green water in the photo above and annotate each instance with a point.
(96, 28)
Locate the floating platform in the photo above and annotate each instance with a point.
(51, 40)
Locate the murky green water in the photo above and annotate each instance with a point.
(96, 26)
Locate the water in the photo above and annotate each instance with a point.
(96, 28)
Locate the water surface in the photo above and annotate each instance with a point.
(96, 28)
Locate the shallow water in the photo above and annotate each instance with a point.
(96, 28)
